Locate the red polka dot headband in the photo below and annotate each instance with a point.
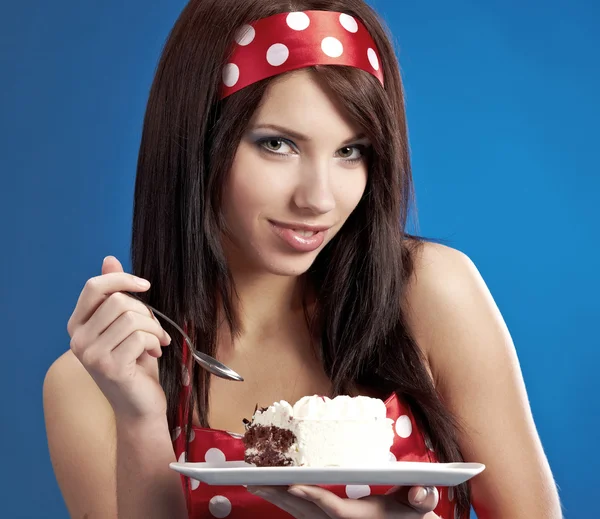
(289, 41)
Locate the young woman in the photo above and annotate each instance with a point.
(271, 198)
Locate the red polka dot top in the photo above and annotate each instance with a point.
(235, 502)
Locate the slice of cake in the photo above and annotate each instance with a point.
(320, 432)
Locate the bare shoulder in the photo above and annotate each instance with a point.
(81, 437)
(439, 267)
(443, 282)
(474, 364)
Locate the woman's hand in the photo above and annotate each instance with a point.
(309, 502)
(118, 341)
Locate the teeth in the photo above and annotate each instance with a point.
(306, 234)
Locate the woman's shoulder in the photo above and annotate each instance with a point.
(444, 298)
(440, 275)
(476, 371)
(430, 260)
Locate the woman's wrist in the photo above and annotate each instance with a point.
(148, 425)
(146, 486)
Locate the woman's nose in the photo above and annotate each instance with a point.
(314, 192)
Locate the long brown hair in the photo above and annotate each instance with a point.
(188, 143)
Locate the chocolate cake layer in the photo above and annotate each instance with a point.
(268, 445)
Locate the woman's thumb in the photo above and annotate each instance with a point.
(110, 265)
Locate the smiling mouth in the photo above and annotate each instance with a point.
(306, 234)
(300, 237)
(301, 227)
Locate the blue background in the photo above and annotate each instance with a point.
(503, 113)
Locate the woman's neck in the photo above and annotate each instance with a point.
(266, 305)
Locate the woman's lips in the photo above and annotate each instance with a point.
(302, 238)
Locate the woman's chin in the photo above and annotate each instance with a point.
(288, 266)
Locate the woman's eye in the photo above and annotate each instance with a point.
(281, 146)
(350, 153)
(276, 145)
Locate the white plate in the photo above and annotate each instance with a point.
(396, 473)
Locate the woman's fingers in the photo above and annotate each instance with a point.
(111, 309)
(117, 339)
(120, 329)
(297, 508)
(304, 501)
(421, 499)
(286, 504)
(111, 264)
(333, 505)
(120, 365)
(374, 507)
(128, 352)
(97, 289)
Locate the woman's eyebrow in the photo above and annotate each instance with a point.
(299, 136)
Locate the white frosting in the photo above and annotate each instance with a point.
(332, 432)
(340, 408)
(279, 414)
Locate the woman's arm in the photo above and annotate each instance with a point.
(84, 439)
(476, 371)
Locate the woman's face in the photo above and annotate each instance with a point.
(298, 173)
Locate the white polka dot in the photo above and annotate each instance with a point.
(277, 54)
(373, 60)
(403, 426)
(182, 458)
(332, 47)
(348, 22)
(393, 458)
(194, 483)
(175, 434)
(219, 506)
(451, 493)
(298, 21)
(245, 35)
(358, 491)
(214, 455)
(231, 74)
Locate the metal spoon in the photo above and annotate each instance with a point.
(206, 361)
